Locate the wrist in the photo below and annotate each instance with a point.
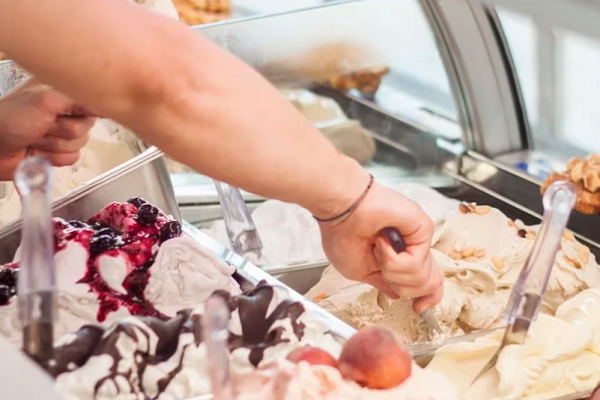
(344, 184)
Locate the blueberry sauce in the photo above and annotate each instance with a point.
(133, 231)
(8, 282)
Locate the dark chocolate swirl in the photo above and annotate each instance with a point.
(153, 341)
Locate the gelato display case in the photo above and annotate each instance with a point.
(470, 102)
(471, 108)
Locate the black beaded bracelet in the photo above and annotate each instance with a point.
(353, 207)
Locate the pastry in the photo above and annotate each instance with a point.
(584, 175)
(198, 12)
(366, 81)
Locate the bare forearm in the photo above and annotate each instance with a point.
(183, 94)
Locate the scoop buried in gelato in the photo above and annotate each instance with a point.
(129, 259)
(560, 357)
(481, 252)
(155, 358)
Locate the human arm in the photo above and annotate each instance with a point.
(210, 111)
(193, 100)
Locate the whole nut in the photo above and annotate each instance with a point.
(581, 248)
(530, 236)
(585, 258)
(455, 255)
(479, 253)
(498, 263)
(463, 208)
(482, 210)
(574, 263)
(471, 259)
(568, 235)
(468, 252)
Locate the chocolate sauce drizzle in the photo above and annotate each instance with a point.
(257, 335)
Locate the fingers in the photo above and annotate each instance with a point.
(68, 135)
(412, 267)
(407, 289)
(72, 127)
(426, 302)
(57, 159)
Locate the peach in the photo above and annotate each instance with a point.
(312, 355)
(375, 359)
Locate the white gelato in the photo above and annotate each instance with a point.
(185, 275)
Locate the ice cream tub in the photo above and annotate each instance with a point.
(145, 175)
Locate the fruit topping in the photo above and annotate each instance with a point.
(170, 230)
(4, 294)
(147, 214)
(374, 358)
(137, 201)
(312, 355)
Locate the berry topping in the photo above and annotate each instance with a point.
(170, 230)
(101, 244)
(135, 284)
(4, 295)
(137, 201)
(78, 224)
(106, 231)
(147, 214)
(8, 277)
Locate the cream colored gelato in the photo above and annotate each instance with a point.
(283, 380)
(561, 356)
(481, 253)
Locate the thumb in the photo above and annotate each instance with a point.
(377, 281)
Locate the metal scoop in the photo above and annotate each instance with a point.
(527, 294)
(36, 285)
(241, 230)
(215, 324)
(430, 324)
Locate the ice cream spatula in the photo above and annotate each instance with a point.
(36, 284)
(527, 294)
(429, 323)
(215, 325)
(241, 230)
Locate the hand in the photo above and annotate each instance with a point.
(37, 117)
(354, 247)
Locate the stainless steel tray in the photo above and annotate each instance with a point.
(145, 175)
